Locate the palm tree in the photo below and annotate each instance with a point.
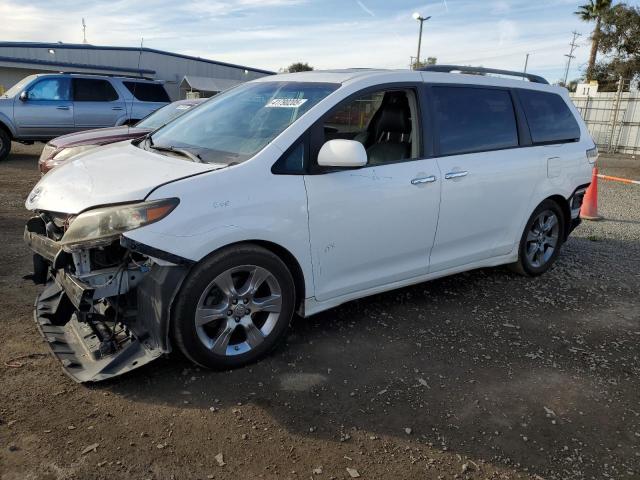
(590, 12)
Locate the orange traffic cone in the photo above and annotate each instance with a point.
(589, 210)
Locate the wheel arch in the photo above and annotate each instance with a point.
(4, 126)
(563, 203)
(281, 252)
(292, 264)
(126, 121)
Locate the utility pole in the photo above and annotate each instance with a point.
(84, 31)
(526, 63)
(573, 45)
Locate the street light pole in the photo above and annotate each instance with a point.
(421, 19)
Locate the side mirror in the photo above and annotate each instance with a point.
(342, 153)
(24, 96)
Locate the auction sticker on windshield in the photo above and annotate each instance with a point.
(286, 102)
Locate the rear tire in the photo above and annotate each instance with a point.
(5, 144)
(541, 240)
(234, 307)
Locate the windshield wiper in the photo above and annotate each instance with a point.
(194, 157)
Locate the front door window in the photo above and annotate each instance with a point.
(385, 122)
(50, 89)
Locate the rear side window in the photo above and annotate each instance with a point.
(147, 92)
(474, 119)
(549, 117)
(93, 90)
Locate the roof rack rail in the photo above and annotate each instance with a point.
(482, 70)
(120, 75)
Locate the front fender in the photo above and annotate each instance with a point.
(197, 247)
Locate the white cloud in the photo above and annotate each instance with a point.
(274, 33)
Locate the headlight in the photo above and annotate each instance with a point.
(52, 157)
(47, 152)
(102, 225)
(67, 153)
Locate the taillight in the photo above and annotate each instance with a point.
(592, 155)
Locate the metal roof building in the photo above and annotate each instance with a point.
(19, 59)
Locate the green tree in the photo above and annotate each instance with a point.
(620, 41)
(593, 11)
(429, 61)
(299, 67)
(620, 47)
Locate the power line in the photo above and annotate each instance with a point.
(518, 53)
(573, 45)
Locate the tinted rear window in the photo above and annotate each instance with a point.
(474, 119)
(147, 92)
(93, 90)
(549, 117)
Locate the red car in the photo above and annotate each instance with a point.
(61, 149)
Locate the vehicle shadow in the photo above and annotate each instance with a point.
(535, 374)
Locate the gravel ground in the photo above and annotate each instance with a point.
(480, 375)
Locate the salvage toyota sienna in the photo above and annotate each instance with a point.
(296, 193)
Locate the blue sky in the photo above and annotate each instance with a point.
(271, 34)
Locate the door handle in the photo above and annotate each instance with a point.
(62, 107)
(117, 108)
(421, 180)
(452, 175)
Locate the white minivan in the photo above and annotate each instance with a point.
(297, 193)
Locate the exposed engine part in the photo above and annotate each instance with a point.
(105, 309)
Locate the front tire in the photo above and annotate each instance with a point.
(234, 307)
(541, 240)
(5, 144)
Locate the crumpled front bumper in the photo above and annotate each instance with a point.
(70, 315)
(76, 345)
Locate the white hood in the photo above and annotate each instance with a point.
(115, 173)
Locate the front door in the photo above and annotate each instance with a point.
(47, 110)
(375, 225)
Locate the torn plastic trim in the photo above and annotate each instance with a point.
(154, 252)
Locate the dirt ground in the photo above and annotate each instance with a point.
(480, 375)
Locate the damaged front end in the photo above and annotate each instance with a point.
(105, 307)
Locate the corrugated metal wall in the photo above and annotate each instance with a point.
(615, 128)
(167, 67)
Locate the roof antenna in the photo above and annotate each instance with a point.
(84, 31)
(135, 84)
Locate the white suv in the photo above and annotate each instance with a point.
(296, 193)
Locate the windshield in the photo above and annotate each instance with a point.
(18, 87)
(237, 124)
(163, 115)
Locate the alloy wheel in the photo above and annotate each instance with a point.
(238, 310)
(542, 238)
